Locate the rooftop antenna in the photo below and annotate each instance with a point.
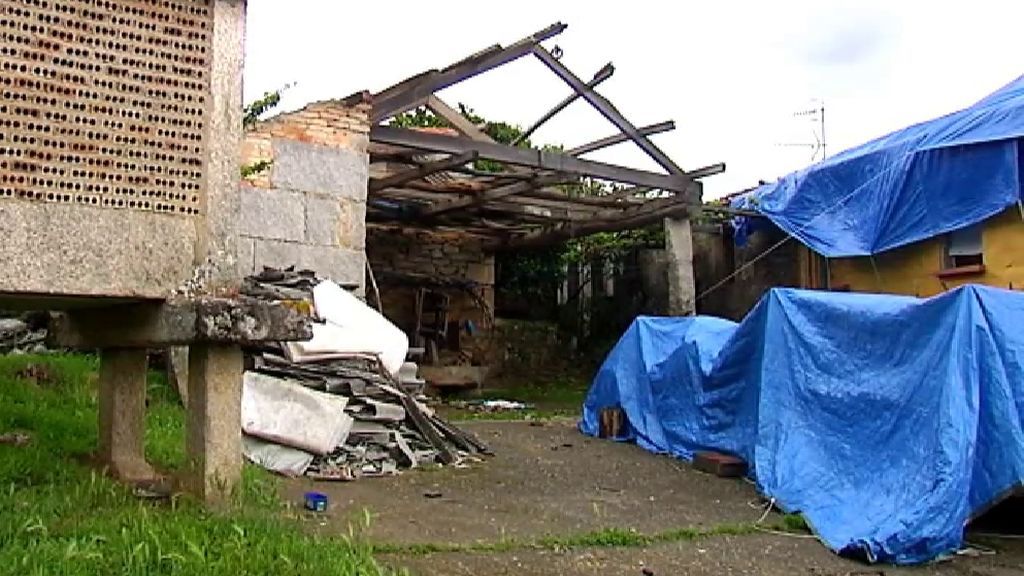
(815, 114)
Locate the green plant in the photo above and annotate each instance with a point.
(59, 516)
(251, 114)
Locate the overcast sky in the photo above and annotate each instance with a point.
(731, 74)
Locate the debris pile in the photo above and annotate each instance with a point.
(335, 407)
(20, 336)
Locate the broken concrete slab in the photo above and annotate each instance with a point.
(284, 460)
(290, 414)
(176, 322)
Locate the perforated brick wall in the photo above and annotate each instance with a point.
(104, 103)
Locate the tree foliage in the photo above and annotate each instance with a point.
(251, 114)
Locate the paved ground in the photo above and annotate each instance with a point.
(548, 480)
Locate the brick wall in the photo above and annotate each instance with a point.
(405, 259)
(309, 208)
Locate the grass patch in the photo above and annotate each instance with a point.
(58, 516)
(550, 397)
(607, 538)
(794, 523)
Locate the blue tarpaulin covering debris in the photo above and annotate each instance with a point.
(887, 421)
(913, 184)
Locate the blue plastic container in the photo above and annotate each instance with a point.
(316, 502)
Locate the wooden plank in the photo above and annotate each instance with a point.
(601, 75)
(409, 94)
(620, 138)
(422, 171)
(456, 119)
(652, 212)
(537, 159)
(423, 424)
(602, 105)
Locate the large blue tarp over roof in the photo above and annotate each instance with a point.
(918, 182)
(887, 421)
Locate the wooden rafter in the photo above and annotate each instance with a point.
(536, 159)
(411, 93)
(422, 171)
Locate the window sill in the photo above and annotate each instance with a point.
(972, 270)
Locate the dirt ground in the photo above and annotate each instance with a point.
(549, 481)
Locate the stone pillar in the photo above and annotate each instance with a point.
(213, 435)
(679, 249)
(122, 414)
(217, 250)
(177, 371)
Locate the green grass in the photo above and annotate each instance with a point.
(550, 397)
(606, 538)
(58, 516)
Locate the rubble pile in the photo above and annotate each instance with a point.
(331, 408)
(21, 335)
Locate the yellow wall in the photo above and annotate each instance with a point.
(912, 269)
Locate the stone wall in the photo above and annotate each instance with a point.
(308, 208)
(716, 258)
(404, 260)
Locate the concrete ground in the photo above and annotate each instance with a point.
(553, 501)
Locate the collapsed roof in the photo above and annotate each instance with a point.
(427, 176)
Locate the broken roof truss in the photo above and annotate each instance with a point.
(427, 177)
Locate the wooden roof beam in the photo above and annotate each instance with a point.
(411, 93)
(650, 213)
(602, 105)
(537, 159)
(602, 75)
(620, 138)
(422, 171)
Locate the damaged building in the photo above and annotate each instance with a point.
(427, 208)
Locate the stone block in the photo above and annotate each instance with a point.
(274, 214)
(74, 250)
(342, 265)
(246, 256)
(353, 225)
(481, 273)
(324, 219)
(313, 168)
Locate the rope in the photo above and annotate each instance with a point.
(804, 227)
(767, 510)
(878, 276)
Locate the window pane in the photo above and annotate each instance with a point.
(966, 241)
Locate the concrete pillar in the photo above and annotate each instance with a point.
(177, 371)
(213, 435)
(122, 414)
(681, 285)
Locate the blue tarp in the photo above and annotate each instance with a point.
(916, 183)
(887, 421)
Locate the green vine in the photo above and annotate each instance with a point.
(251, 114)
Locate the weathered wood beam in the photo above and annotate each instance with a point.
(410, 93)
(707, 171)
(602, 75)
(492, 194)
(538, 159)
(456, 119)
(602, 105)
(651, 213)
(620, 138)
(422, 171)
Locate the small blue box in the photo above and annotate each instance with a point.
(316, 501)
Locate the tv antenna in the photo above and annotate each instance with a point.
(815, 114)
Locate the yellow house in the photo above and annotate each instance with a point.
(990, 252)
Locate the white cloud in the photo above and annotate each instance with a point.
(731, 74)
